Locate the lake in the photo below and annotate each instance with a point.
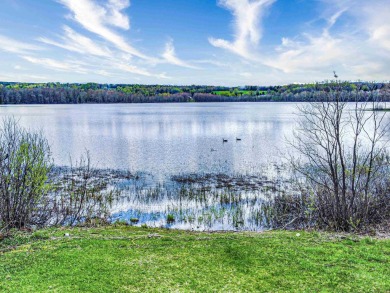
(187, 172)
(163, 138)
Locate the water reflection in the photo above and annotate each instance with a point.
(201, 201)
(163, 138)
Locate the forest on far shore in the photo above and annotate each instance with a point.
(76, 93)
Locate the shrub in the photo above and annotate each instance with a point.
(24, 166)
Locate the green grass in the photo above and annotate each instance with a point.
(123, 258)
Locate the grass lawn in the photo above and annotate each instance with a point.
(122, 258)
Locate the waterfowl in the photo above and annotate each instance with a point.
(224, 140)
(238, 139)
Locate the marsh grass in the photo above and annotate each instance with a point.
(272, 199)
(204, 201)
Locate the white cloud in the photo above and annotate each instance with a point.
(115, 16)
(381, 36)
(104, 73)
(134, 69)
(105, 67)
(13, 46)
(355, 41)
(99, 19)
(68, 66)
(359, 47)
(246, 74)
(313, 53)
(212, 62)
(170, 56)
(248, 32)
(17, 77)
(375, 19)
(76, 42)
(333, 19)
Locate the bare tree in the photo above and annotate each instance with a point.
(342, 156)
(24, 166)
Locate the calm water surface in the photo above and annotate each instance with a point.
(164, 138)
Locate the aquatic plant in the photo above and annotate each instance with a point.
(170, 218)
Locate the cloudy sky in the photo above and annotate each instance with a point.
(219, 42)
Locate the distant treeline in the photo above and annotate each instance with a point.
(66, 93)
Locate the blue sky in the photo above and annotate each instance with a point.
(213, 42)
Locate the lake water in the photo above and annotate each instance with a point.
(170, 145)
(164, 138)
